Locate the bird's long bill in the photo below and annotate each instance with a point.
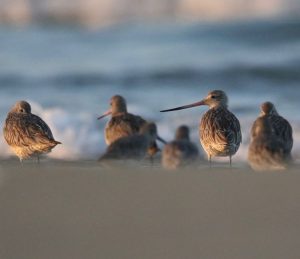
(185, 106)
(104, 115)
(161, 140)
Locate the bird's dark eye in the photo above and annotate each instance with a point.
(213, 97)
(21, 110)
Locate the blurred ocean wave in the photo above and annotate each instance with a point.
(278, 74)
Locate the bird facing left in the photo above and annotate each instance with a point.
(27, 134)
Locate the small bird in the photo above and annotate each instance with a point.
(280, 126)
(181, 151)
(219, 130)
(27, 134)
(266, 151)
(122, 123)
(134, 146)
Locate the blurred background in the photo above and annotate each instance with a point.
(67, 58)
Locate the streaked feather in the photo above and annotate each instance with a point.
(27, 134)
(220, 132)
(122, 125)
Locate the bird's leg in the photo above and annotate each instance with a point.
(151, 161)
(230, 161)
(209, 159)
(38, 159)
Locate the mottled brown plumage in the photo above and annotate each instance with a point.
(134, 146)
(280, 126)
(122, 124)
(180, 152)
(266, 151)
(219, 130)
(26, 133)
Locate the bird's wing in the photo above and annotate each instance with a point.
(282, 129)
(123, 126)
(26, 130)
(220, 127)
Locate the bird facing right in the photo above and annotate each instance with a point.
(27, 134)
(180, 152)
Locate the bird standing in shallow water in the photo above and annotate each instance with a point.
(280, 126)
(134, 146)
(27, 134)
(219, 130)
(181, 151)
(266, 151)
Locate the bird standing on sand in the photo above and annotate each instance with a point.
(266, 151)
(27, 134)
(134, 146)
(279, 125)
(122, 123)
(219, 130)
(181, 151)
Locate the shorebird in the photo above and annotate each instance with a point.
(266, 151)
(280, 126)
(134, 146)
(219, 130)
(181, 151)
(122, 123)
(27, 134)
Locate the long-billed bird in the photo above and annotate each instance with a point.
(122, 124)
(219, 130)
(180, 152)
(27, 134)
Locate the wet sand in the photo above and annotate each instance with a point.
(73, 210)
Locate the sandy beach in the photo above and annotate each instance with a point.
(82, 210)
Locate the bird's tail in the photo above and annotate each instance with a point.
(54, 142)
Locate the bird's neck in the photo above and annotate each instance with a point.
(218, 106)
(118, 113)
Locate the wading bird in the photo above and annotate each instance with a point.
(266, 151)
(219, 130)
(124, 124)
(27, 134)
(134, 146)
(181, 151)
(281, 128)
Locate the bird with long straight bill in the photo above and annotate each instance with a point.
(219, 130)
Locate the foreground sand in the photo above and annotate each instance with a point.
(73, 210)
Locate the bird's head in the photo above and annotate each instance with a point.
(268, 108)
(117, 105)
(21, 107)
